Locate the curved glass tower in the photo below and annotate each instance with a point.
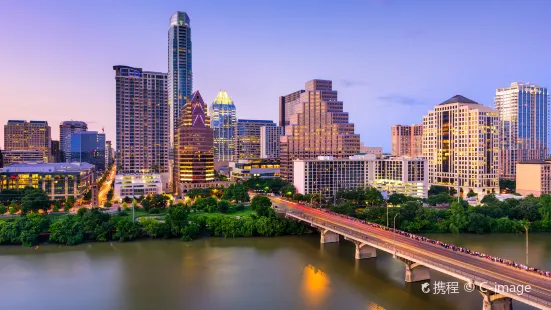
(223, 121)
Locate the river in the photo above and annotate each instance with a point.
(244, 273)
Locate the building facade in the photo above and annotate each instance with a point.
(318, 126)
(195, 144)
(88, 147)
(66, 129)
(108, 154)
(137, 185)
(258, 168)
(58, 180)
(247, 138)
(460, 141)
(327, 175)
(533, 177)
(523, 110)
(287, 106)
(223, 122)
(24, 156)
(27, 136)
(269, 141)
(407, 140)
(142, 119)
(55, 151)
(375, 150)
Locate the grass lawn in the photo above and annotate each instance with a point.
(141, 212)
(246, 212)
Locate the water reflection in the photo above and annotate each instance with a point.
(315, 286)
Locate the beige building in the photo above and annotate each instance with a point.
(533, 177)
(318, 126)
(407, 140)
(24, 156)
(460, 141)
(375, 150)
(28, 136)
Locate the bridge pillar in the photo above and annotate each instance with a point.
(365, 251)
(327, 236)
(495, 301)
(415, 272)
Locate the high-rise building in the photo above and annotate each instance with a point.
(287, 105)
(247, 139)
(142, 120)
(407, 140)
(223, 122)
(195, 144)
(56, 153)
(109, 153)
(524, 125)
(180, 77)
(1, 159)
(318, 126)
(88, 147)
(460, 141)
(28, 136)
(66, 129)
(269, 141)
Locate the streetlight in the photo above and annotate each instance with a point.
(526, 228)
(394, 235)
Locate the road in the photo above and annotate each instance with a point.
(102, 195)
(460, 263)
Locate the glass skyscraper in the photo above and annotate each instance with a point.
(88, 147)
(180, 79)
(524, 126)
(223, 122)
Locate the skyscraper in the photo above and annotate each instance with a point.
(318, 126)
(223, 122)
(56, 153)
(269, 141)
(142, 120)
(247, 139)
(287, 105)
(28, 136)
(460, 142)
(66, 129)
(407, 140)
(194, 143)
(88, 147)
(524, 125)
(180, 77)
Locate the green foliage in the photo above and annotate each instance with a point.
(127, 230)
(177, 218)
(439, 199)
(110, 194)
(224, 206)
(56, 208)
(3, 209)
(263, 206)
(97, 224)
(87, 196)
(288, 190)
(236, 192)
(274, 185)
(9, 195)
(67, 230)
(155, 229)
(12, 210)
(398, 199)
(362, 196)
(30, 226)
(154, 203)
(34, 199)
(345, 208)
(508, 186)
(299, 197)
(436, 189)
(471, 193)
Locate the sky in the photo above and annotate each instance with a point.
(391, 61)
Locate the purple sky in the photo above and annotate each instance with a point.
(390, 60)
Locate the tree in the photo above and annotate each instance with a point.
(223, 206)
(490, 199)
(67, 230)
(437, 189)
(545, 207)
(177, 218)
(127, 230)
(30, 227)
(457, 216)
(298, 197)
(346, 208)
(478, 223)
(397, 199)
(107, 205)
(3, 209)
(527, 209)
(260, 201)
(507, 186)
(288, 190)
(34, 199)
(471, 193)
(240, 193)
(87, 196)
(110, 194)
(373, 197)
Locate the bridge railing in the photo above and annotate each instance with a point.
(389, 247)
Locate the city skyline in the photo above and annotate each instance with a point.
(398, 85)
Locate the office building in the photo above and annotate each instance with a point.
(180, 77)
(24, 156)
(375, 150)
(55, 151)
(318, 126)
(27, 136)
(460, 141)
(195, 144)
(66, 129)
(247, 138)
(533, 177)
(137, 185)
(523, 110)
(142, 120)
(255, 168)
(58, 180)
(327, 175)
(407, 140)
(287, 106)
(1, 159)
(88, 147)
(269, 141)
(223, 122)
(109, 156)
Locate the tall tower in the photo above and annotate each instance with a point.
(407, 140)
(318, 126)
(28, 136)
(247, 139)
(66, 129)
(180, 78)
(460, 142)
(524, 125)
(194, 159)
(223, 122)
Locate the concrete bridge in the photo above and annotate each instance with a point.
(497, 283)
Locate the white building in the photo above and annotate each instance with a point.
(258, 168)
(269, 141)
(136, 185)
(327, 175)
(460, 142)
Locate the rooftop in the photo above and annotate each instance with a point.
(459, 99)
(49, 167)
(222, 98)
(535, 162)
